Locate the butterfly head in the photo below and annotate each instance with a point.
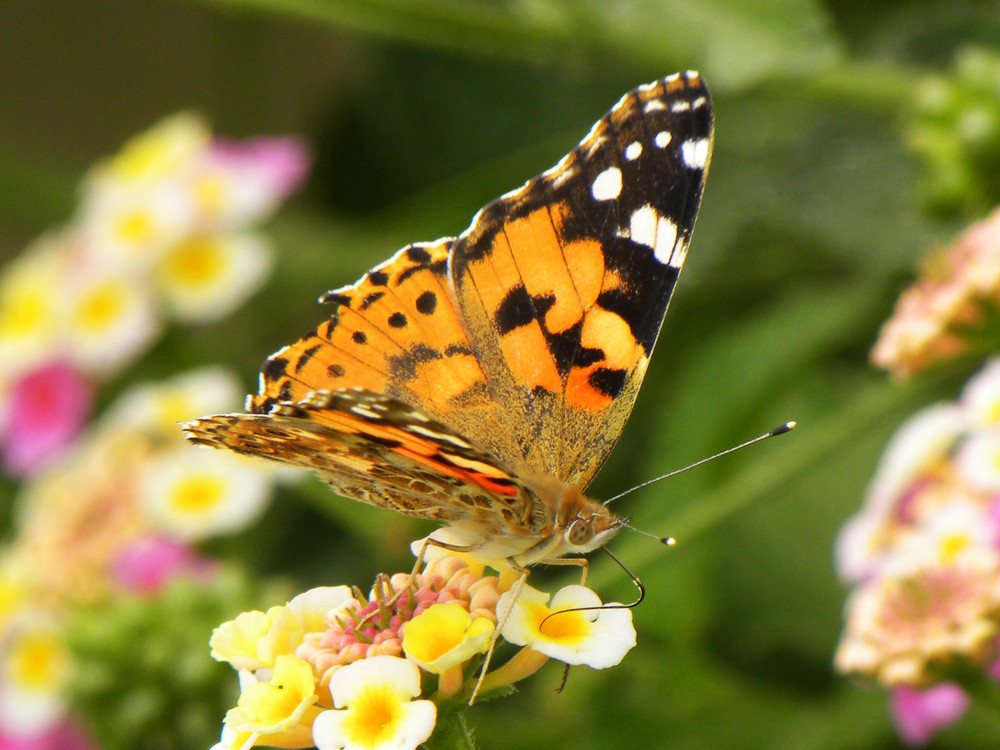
(589, 526)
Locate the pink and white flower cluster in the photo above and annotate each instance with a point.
(163, 232)
(118, 513)
(337, 669)
(923, 555)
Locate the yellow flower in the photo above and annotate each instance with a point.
(593, 636)
(374, 710)
(255, 640)
(279, 712)
(445, 636)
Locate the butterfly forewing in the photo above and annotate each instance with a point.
(564, 284)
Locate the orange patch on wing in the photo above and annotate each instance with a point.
(611, 334)
(581, 394)
(530, 361)
(450, 377)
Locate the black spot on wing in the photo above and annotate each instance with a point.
(305, 356)
(335, 371)
(378, 278)
(360, 337)
(397, 320)
(370, 299)
(274, 367)
(608, 381)
(427, 303)
(335, 298)
(514, 311)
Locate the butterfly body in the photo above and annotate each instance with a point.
(482, 380)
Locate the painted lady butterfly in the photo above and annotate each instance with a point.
(482, 380)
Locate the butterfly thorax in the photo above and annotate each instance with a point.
(571, 524)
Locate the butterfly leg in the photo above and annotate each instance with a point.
(580, 562)
(584, 565)
(501, 621)
(428, 542)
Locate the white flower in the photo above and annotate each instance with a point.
(312, 606)
(34, 670)
(860, 545)
(193, 493)
(923, 439)
(207, 276)
(29, 312)
(978, 460)
(158, 407)
(109, 319)
(595, 636)
(374, 708)
(981, 396)
(950, 535)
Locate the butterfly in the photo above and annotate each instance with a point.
(482, 380)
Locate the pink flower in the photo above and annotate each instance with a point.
(149, 563)
(263, 171)
(46, 409)
(920, 714)
(65, 736)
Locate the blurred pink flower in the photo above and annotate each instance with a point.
(46, 409)
(149, 563)
(65, 736)
(920, 714)
(927, 325)
(267, 168)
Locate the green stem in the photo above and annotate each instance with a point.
(451, 731)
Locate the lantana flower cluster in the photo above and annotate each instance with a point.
(923, 555)
(163, 232)
(336, 668)
(117, 514)
(933, 319)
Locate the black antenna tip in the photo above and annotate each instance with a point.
(786, 427)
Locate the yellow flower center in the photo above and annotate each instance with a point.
(952, 546)
(210, 193)
(197, 262)
(565, 627)
(374, 716)
(38, 661)
(135, 227)
(197, 494)
(23, 315)
(101, 307)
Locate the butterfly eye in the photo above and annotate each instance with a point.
(579, 532)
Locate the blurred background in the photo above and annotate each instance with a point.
(835, 171)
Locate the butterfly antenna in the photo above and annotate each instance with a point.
(780, 430)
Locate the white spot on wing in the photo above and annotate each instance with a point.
(648, 228)
(679, 254)
(633, 150)
(654, 104)
(642, 226)
(699, 102)
(666, 239)
(662, 139)
(695, 153)
(681, 106)
(607, 185)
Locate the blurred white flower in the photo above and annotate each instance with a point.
(191, 494)
(981, 396)
(109, 318)
(206, 277)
